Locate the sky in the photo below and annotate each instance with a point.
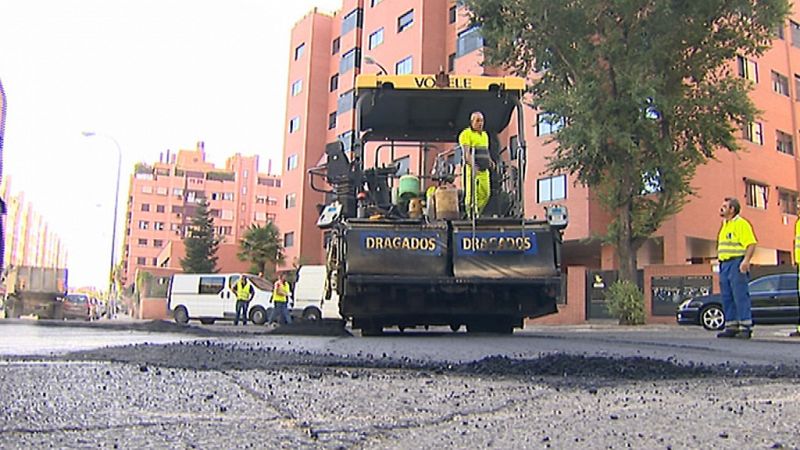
(152, 75)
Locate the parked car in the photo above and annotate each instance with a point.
(77, 306)
(209, 297)
(309, 297)
(774, 297)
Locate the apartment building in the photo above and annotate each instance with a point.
(29, 239)
(163, 198)
(426, 36)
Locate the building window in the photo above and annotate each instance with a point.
(784, 142)
(372, 3)
(227, 214)
(778, 33)
(376, 39)
(748, 69)
(332, 120)
(298, 51)
(290, 201)
(294, 124)
(297, 87)
(451, 62)
(345, 102)
(158, 243)
(146, 207)
(451, 16)
(795, 28)
(347, 140)
(158, 226)
(757, 194)
(352, 20)
(350, 59)
(403, 165)
(788, 201)
(334, 82)
(335, 46)
(160, 190)
(780, 83)
(260, 216)
(404, 66)
(147, 189)
(177, 192)
(548, 123)
(144, 225)
(141, 260)
(288, 239)
(142, 242)
(405, 21)
(228, 196)
(468, 41)
(160, 208)
(291, 162)
(754, 133)
(551, 188)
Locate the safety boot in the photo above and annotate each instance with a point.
(728, 333)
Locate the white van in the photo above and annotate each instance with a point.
(309, 301)
(209, 297)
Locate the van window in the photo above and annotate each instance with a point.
(233, 280)
(211, 285)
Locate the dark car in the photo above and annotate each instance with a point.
(774, 299)
(77, 306)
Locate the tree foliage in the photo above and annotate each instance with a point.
(262, 246)
(647, 90)
(201, 243)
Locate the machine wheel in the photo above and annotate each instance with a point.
(712, 318)
(258, 315)
(312, 313)
(372, 330)
(207, 321)
(181, 315)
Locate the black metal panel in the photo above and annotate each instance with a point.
(411, 249)
(504, 250)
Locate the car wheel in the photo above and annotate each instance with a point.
(712, 318)
(207, 321)
(258, 315)
(181, 315)
(312, 313)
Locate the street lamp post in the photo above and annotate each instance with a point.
(370, 60)
(116, 208)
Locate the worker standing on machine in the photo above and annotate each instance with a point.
(474, 143)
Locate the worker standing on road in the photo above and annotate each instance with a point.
(244, 293)
(736, 244)
(475, 141)
(796, 333)
(280, 297)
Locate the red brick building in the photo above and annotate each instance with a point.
(424, 36)
(163, 198)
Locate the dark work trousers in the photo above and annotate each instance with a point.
(241, 311)
(733, 286)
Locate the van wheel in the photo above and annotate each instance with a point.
(312, 313)
(181, 315)
(258, 315)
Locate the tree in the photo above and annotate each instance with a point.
(201, 243)
(643, 89)
(262, 247)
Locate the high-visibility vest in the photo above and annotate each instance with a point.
(277, 295)
(243, 290)
(735, 236)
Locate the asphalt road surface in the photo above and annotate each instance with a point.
(162, 386)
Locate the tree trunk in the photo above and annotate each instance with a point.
(625, 249)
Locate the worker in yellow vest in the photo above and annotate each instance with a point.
(280, 299)
(244, 293)
(736, 244)
(474, 142)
